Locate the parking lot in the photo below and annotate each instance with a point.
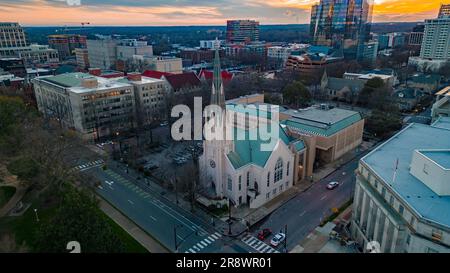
(169, 157)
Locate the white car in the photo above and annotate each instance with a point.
(278, 239)
(332, 185)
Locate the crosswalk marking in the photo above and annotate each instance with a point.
(199, 245)
(258, 245)
(205, 242)
(85, 166)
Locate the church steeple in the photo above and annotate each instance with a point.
(217, 94)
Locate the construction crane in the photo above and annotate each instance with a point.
(66, 28)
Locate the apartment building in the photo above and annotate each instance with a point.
(96, 106)
(12, 38)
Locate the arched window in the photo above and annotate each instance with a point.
(278, 174)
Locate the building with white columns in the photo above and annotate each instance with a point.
(402, 192)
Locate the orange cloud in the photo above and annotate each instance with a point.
(39, 12)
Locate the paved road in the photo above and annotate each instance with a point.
(158, 216)
(303, 213)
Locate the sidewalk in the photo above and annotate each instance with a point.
(318, 241)
(10, 180)
(150, 185)
(253, 216)
(131, 228)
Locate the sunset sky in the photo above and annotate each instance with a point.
(193, 12)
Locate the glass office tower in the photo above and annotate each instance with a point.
(342, 24)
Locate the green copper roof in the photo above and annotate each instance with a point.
(249, 151)
(68, 79)
(299, 145)
(322, 129)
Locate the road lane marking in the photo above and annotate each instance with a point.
(203, 243)
(207, 241)
(111, 187)
(323, 197)
(211, 239)
(153, 218)
(174, 211)
(131, 202)
(303, 213)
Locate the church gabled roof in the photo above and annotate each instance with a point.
(249, 151)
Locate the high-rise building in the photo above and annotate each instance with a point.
(12, 38)
(102, 53)
(342, 24)
(444, 11)
(436, 40)
(242, 31)
(127, 49)
(369, 53)
(66, 44)
(415, 38)
(82, 57)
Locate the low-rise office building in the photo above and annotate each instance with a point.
(402, 195)
(96, 106)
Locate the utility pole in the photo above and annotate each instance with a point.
(229, 216)
(285, 238)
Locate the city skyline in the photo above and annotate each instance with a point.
(190, 12)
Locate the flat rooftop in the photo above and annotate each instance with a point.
(415, 193)
(324, 122)
(442, 122)
(318, 115)
(72, 81)
(441, 157)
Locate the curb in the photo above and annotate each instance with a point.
(131, 220)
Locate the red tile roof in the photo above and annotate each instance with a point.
(178, 81)
(208, 75)
(155, 74)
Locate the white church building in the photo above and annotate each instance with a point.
(241, 170)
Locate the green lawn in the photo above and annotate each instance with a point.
(25, 226)
(6, 193)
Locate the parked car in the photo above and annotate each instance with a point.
(332, 185)
(278, 239)
(263, 234)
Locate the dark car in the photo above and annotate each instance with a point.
(263, 234)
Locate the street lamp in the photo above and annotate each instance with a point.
(37, 217)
